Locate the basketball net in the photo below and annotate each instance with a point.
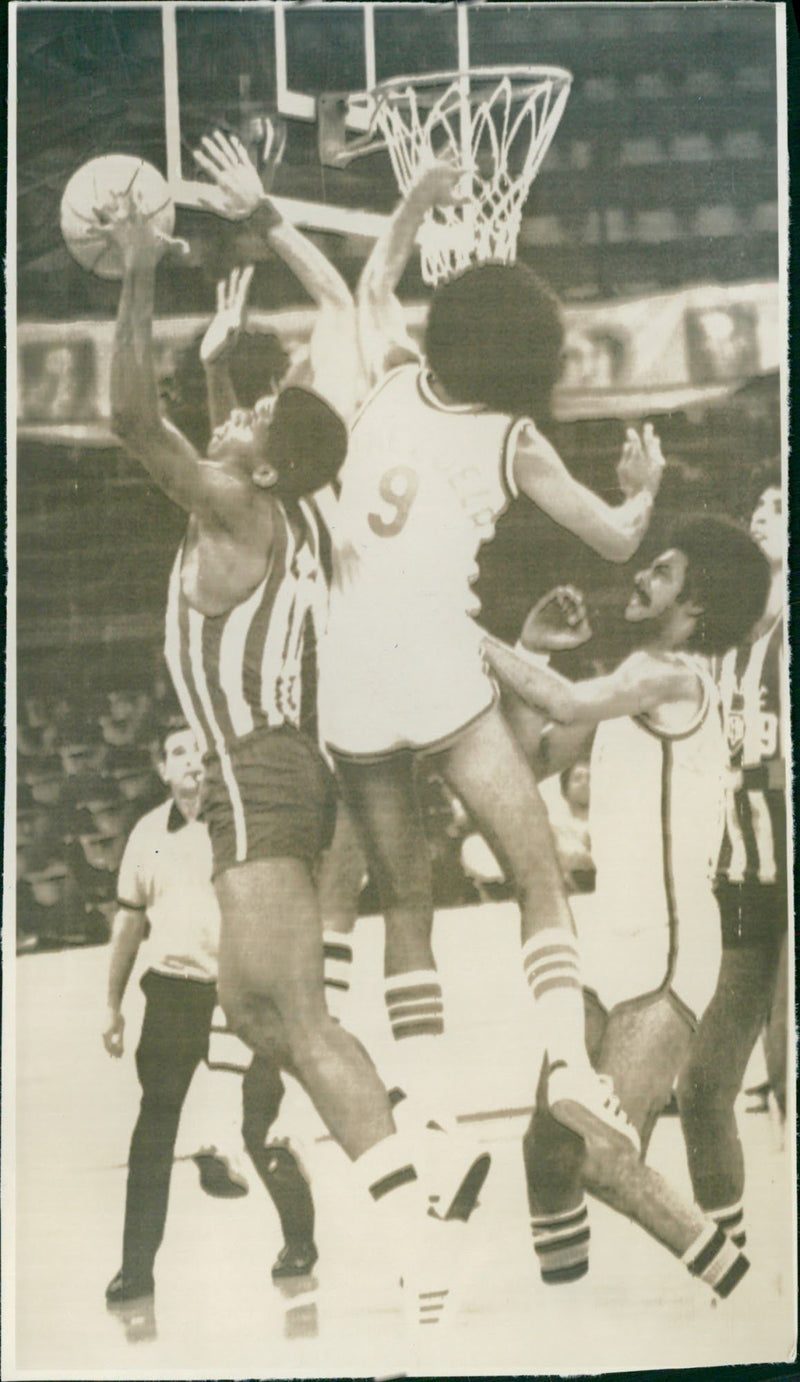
(494, 123)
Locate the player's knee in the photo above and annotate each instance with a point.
(253, 1017)
(309, 1030)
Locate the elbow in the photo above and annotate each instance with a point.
(619, 547)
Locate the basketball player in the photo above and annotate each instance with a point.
(164, 891)
(751, 889)
(439, 450)
(656, 818)
(246, 583)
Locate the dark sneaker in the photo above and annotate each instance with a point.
(294, 1259)
(124, 1289)
(218, 1177)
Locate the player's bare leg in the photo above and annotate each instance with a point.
(712, 1078)
(339, 883)
(271, 969)
(641, 1049)
(383, 799)
(487, 769)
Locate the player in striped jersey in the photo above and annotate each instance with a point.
(243, 587)
(656, 819)
(751, 888)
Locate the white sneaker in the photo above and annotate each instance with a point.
(586, 1103)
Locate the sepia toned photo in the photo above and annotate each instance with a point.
(399, 960)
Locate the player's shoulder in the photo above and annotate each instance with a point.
(653, 667)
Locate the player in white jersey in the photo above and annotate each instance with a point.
(752, 892)
(657, 796)
(437, 452)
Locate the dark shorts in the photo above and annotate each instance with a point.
(272, 796)
(752, 913)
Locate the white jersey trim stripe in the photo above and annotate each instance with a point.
(172, 653)
(231, 661)
(196, 657)
(275, 641)
(509, 456)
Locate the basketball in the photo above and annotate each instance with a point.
(91, 189)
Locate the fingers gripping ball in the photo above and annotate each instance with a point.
(94, 190)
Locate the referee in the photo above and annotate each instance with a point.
(165, 893)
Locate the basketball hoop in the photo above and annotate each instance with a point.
(496, 123)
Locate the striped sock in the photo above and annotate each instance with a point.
(414, 1004)
(552, 969)
(387, 1168)
(716, 1259)
(337, 960)
(731, 1220)
(389, 1173)
(561, 1243)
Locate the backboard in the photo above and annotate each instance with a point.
(235, 65)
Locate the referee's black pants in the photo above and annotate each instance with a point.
(173, 1042)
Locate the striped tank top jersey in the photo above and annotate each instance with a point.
(751, 682)
(253, 667)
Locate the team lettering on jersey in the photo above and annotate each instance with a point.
(422, 487)
(754, 847)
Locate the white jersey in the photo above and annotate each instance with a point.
(421, 490)
(656, 819)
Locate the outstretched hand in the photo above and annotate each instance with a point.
(557, 622)
(239, 190)
(641, 465)
(443, 183)
(135, 232)
(230, 317)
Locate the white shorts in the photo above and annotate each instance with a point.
(623, 962)
(413, 691)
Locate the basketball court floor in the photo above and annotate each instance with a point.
(217, 1313)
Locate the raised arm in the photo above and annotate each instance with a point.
(383, 339)
(332, 364)
(613, 532)
(220, 338)
(136, 418)
(640, 684)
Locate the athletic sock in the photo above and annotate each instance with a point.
(337, 959)
(414, 1004)
(388, 1172)
(388, 1168)
(716, 1259)
(417, 1064)
(552, 969)
(561, 1243)
(731, 1220)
